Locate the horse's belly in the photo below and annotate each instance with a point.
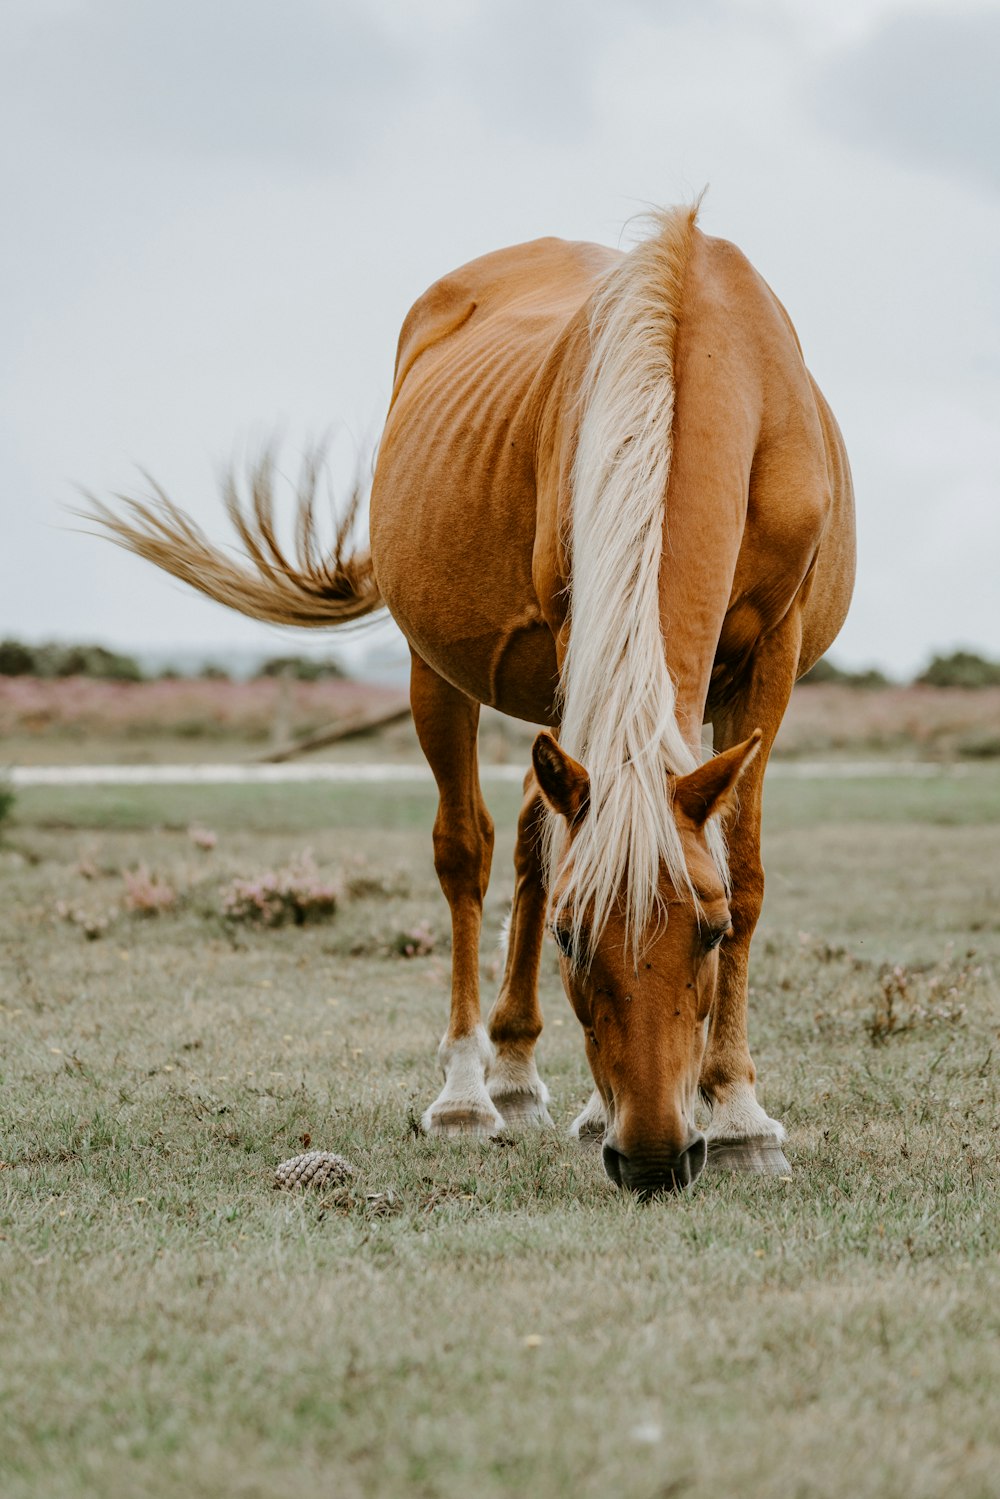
(515, 673)
(510, 665)
(454, 569)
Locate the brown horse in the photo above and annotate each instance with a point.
(608, 498)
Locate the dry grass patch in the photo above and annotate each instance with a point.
(493, 1318)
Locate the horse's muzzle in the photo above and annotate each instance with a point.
(648, 1175)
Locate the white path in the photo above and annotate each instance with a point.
(273, 775)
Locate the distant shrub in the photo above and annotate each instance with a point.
(93, 924)
(52, 660)
(912, 999)
(870, 677)
(960, 669)
(291, 896)
(16, 659)
(147, 894)
(303, 668)
(94, 661)
(417, 942)
(203, 838)
(826, 671)
(212, 672)
(979, 744)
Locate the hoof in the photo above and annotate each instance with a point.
(523, 1111)
(461, 1120)
(591, 1124)
(761, 1155)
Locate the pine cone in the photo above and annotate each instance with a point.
(317, 1168)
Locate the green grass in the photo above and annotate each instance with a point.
(287, 808)
(968, 797)
(171, 1326)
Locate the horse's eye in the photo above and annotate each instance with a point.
(563, 940)
(713, 938)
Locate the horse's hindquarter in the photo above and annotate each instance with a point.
(755, 509)
(454, 501)
(833, 575)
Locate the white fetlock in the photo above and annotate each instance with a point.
(464, 1107)
(742, 1137)
(518, 1092)
(592, 1123)
(740, 1117)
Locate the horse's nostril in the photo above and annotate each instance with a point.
(614, 1161)
(695, 1157)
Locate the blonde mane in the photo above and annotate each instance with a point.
(617, 696)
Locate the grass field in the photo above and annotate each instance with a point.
(485, 1319)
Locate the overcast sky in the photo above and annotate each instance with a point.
(217, 212)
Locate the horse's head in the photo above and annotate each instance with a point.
(644, 1005)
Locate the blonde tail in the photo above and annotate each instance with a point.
(310, 589)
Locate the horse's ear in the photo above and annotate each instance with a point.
(564, 783)
(711, 789)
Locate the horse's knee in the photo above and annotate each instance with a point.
(746, 900)
(462, 855)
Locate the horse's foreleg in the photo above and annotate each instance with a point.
(516, 1018)
(741, 1135)
(447, 722)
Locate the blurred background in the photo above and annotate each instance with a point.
(218, 214)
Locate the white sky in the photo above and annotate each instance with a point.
(217, 212)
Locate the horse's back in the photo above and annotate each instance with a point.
(532, 287)
(454, 498)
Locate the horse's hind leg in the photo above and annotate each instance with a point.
(741, 1135)
(447, 723)
(516, 1018)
